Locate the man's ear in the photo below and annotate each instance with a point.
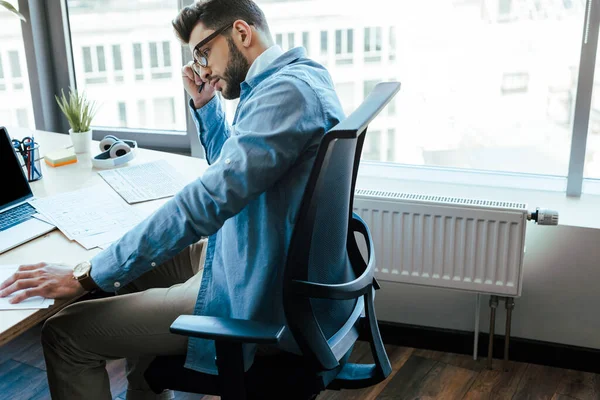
(244, 32)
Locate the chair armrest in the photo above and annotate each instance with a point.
(227, 329)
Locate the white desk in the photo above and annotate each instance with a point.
(54, 246)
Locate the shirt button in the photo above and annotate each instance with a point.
(227, 161)
(153, 264)
(117, 284)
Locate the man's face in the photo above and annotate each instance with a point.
(227, 67)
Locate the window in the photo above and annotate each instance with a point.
(138, 61)
(285, 41)
(372, 44)
(138, 56)
(2, 84)
(164, 113)
(323, 42)
(15, 95)
(391, 145)
(122, 109)
(94, 65)
(160, 60)
(15, 70)
(344, 46)
(22, 117)
(306, 41)
(142, 116)
(392, 41)
(117, 63)
(372, 146)
(345, 92)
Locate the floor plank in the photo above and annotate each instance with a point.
(458, 360)
(21, 381)
(362, 354)
(539, 382)
(580, 385)
(408, 379)
(445, 382)
(497, 384)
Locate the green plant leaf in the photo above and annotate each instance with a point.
(10, 8)
(78, 110)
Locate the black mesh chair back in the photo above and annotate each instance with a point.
(328, 285)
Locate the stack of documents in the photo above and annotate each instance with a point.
(32, 303)
(94, 217)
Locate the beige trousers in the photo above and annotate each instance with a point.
(134, 325)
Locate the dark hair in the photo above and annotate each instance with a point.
(215, 14)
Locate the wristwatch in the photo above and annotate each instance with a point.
(82, 272)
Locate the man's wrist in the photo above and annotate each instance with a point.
(83, 274)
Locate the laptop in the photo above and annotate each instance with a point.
(17, 222)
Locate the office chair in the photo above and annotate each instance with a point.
(323, 238)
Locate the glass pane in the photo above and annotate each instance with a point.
(167, 54)
(291, 43)
(153, 55)
(101, 60)
(323, 42)
(15, 64)
(306, 41)
(367, 40)
(137, 44)
(117, 61)
(486, 85)
(350, 40)
(87, 59)
(592, 154)
(15, 94)
(338, 41)
(137, 56)
(279, 39)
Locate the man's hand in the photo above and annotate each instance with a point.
(191, 83)
(52, 281)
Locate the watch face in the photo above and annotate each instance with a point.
(81, 269)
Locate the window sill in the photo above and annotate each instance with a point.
(535, 191)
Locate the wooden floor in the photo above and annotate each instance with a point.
(417, 374)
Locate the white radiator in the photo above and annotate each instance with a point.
(455, 243)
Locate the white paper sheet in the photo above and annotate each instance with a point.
(87, 212)
(31, 303)
(144, 182)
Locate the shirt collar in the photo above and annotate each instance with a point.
(263, 61)
(284, 59)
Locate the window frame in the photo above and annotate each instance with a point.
(49, 58)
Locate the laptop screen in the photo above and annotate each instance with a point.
(15, 187)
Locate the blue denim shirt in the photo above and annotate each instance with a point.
(246, 201)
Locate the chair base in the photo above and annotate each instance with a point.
(281, 376)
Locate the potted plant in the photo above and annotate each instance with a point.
(10, 8)
(79, 112)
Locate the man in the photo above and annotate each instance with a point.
(246, 203)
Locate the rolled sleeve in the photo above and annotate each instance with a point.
(213, 128)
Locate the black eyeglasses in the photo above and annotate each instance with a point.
(201, 57)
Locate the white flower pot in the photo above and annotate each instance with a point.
(82, 141)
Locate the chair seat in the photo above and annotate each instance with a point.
(271, 377)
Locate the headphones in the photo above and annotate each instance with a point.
(115, 152)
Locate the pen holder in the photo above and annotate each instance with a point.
(31, 159)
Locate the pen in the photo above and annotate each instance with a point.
(201, 87)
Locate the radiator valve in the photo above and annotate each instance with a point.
(543, 216)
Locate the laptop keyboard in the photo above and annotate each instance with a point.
(15, 216)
